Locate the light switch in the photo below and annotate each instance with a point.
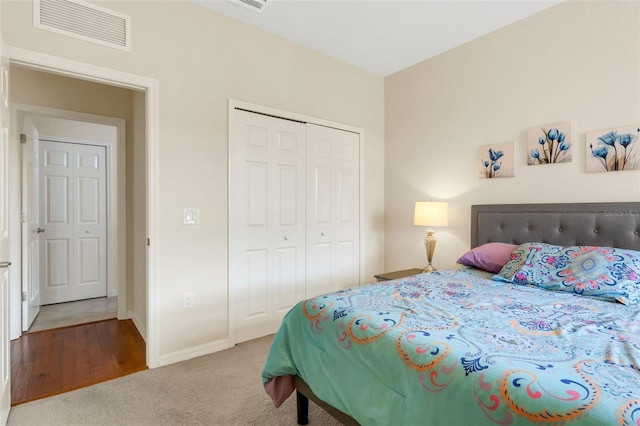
(191, 216)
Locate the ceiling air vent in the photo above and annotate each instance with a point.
(255, 5)
(85, 21)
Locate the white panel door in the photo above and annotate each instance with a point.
(5, 263)
(90, 212)
(266, 221)
(333, 209)
(30, 225)
(73, 217)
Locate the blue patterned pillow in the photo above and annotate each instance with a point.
(606, 273)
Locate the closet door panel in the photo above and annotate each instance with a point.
(288, 196)
(256, 281)
(333, 225)
(257, 194)
(346, 196)
(346, 273)
(266, 222)
(319, 268)
(286, 273)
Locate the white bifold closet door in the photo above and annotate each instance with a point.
(267, 222)
(333, 213)
(293, 217)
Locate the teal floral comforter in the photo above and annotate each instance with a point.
(456, 348)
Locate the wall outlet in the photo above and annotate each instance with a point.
(187, 300)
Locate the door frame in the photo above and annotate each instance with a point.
(277, 113)
(83, 71)
(116, 196)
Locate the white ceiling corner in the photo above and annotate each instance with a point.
(381, 36)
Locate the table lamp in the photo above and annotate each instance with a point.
(429, 214)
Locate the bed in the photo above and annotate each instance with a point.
(510, 346)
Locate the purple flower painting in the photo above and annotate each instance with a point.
(614, 149)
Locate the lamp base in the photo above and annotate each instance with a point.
(429, 268)
(430, 248)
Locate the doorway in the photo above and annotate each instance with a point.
(65, 143)
(74, 249)
(67, 190)
(143, 309)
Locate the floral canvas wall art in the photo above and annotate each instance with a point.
(613, 149)
(549, 144)
(497, 160)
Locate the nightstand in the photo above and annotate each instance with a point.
(387, 276)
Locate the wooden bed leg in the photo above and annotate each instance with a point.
(302, 403)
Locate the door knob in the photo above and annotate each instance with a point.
(5, 264)
(40, 230)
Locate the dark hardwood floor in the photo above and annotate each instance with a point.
(50, 362)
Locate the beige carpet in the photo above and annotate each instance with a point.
(224, 388)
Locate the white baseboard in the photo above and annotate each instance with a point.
(194, 352)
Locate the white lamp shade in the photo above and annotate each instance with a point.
(431, 213)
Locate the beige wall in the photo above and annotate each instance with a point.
(578, 61)
(36, 88)
(202, 59)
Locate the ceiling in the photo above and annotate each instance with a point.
(381, 36)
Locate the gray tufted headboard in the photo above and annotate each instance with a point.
(597, 224)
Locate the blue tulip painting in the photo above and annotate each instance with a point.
(549, 144)
(613, 149)
(497, 160)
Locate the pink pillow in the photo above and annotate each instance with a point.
(488, 257)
